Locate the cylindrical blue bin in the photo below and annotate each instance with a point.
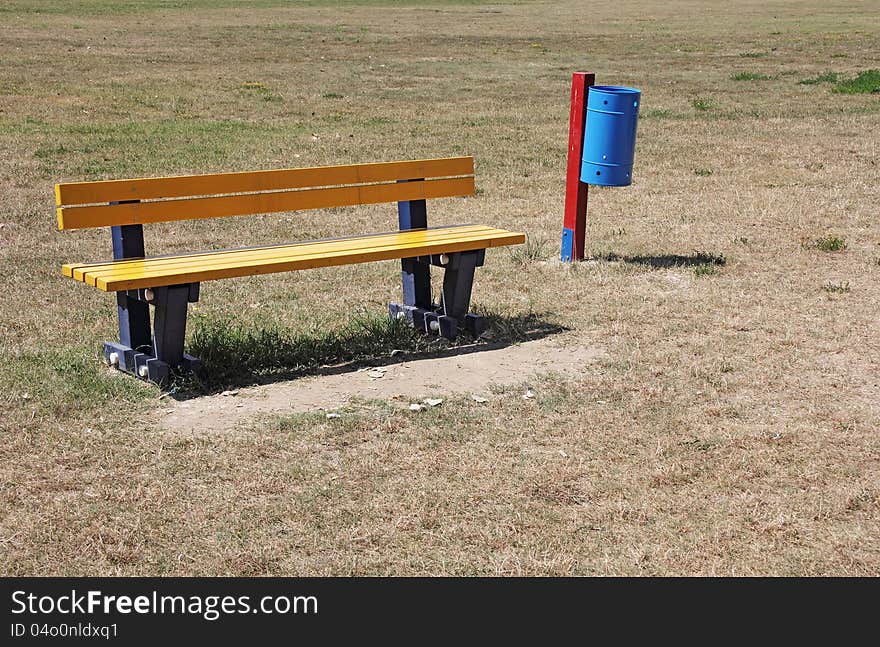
(610, 135)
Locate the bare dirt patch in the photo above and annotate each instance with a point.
(471, 371)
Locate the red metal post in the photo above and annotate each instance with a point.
(575, 221)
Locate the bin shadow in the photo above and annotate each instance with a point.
(235, 356)
(667, 260)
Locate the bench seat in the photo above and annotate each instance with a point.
(158, 271)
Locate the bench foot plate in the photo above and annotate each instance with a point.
(451, 315)
(433, 321)
(143, 364)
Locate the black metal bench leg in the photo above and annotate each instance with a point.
(169, 328)
(134, 322)
(134, 315)
(458, 282)
(134, 334)
(451, 315)
(416, 276)
(153, 360)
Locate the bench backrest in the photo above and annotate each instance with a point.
(191, 197)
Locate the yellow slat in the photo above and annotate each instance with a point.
(191, 185)
(148, 268)
(237, 205)
(351, 257)
(77, 270)
(309, 263)
(227, 264)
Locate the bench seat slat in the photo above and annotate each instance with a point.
(196, 259)
(347, 251)
(257, 203)
(294, 262)
(78, 193)
(171, 270)
(230, 268)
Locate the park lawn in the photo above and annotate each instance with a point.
(731, 426)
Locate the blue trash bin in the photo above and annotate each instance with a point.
(610, 135)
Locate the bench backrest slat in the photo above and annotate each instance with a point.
(255, 203)
(85, 204)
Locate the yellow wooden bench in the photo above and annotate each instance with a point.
(171, 282)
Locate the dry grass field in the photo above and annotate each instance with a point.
(732, 426)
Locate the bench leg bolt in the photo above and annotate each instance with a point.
(143, 371)
(149, 295)
(434, 325)
(113, 360)
(444, 259)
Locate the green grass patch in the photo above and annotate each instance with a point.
(750, 76)
(67, 381)
(827, 77)
(867, 82)
(707, 269)
(703, 104)
(827, 243)
(702, 172)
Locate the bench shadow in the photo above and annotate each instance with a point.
(235, 356)
(667, 260)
